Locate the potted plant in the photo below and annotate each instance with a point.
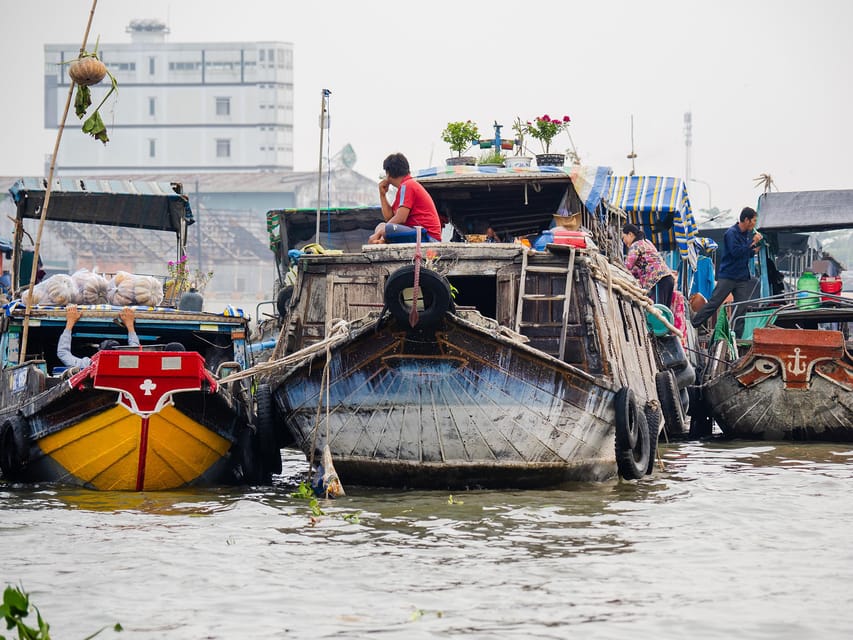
(87, 70)
(544, 128)
(460, 136)
(519, 159)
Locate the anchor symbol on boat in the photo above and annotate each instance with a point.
(796, 367)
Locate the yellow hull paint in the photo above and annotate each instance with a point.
(106, 451)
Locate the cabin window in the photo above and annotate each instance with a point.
(151, 65)
(223, 106)
(223, 148)
(152, 106)
(152, 147)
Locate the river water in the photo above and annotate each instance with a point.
(730, 540)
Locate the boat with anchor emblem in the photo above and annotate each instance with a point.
(794, 377)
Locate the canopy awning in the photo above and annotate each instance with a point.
(144, 205)
(806, 210)
(658, 205)
(344, 228)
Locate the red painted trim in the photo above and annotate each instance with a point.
(143, 455)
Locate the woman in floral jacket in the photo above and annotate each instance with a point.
(647, 265)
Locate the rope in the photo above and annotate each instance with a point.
(413, 316)
(324, 384)
(337, 333)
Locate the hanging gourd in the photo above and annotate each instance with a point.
(87, 70)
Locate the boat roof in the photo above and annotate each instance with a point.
(806, 210)
(515, 201)
(659, 205)
(344, 228)
(159, 206)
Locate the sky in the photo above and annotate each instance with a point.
(769, 84)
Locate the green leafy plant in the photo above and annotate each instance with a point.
(94, 124)
(545, 128)
(16, 606)
(460, 135)
(492, 157)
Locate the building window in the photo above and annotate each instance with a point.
(151, 66)
(223, 148)
(223, 106)
(152, 148)
(152, 106)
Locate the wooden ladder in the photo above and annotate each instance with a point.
(533, 298)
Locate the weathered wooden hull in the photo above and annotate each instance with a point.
(793, 384)
(466, 407)
(77, 432)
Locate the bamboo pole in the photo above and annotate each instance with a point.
(23, 352)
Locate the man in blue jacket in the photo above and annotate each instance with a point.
(739, 245)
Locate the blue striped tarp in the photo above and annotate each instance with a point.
(660, 206)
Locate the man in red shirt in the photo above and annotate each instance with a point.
(412, 207)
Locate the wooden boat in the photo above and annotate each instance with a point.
(794, 379)
(511, 368)
(135, 419)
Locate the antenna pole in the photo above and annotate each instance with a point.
(324, 123)
(632, 156)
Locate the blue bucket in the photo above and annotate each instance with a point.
(657, 327)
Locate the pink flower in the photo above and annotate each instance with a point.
(566, 119)
(545, 118)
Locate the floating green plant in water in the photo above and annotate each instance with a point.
(16, 606)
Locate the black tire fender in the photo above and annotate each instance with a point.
(633, 450)
(670, 404)
(268, 444)
(14, 447)
(653, 420)
(435, 291)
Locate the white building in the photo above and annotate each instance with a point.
(180, 107)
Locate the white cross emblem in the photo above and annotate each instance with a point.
(147, 386)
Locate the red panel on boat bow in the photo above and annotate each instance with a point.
(146, 378)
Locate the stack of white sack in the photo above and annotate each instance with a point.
(127, 289)
(58, 290)
(91, 287)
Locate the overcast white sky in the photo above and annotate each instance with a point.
(769, 83)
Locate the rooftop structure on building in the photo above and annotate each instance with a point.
(181, 107)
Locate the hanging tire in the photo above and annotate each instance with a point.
(268, 446)
(632, 437)
(14, 447)
(670, 404)
(653, 420)
(435, 292)
(246, 454)
(701, 422)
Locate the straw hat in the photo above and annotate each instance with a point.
(571, 222)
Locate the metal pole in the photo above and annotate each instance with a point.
(324, 96)
(23, 353)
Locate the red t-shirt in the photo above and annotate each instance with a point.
(422, 211)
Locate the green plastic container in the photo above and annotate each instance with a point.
(657, 327)
(807, 287)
